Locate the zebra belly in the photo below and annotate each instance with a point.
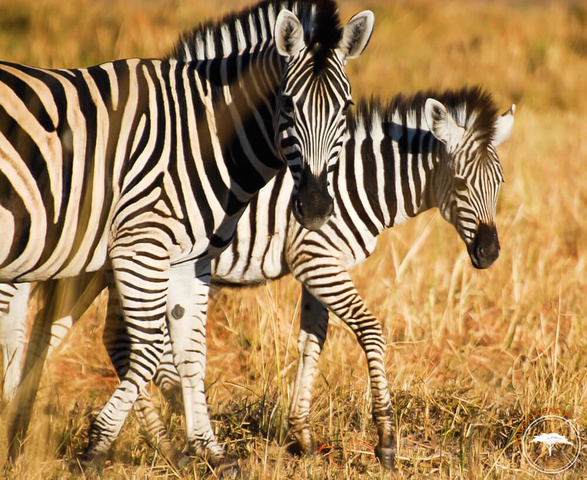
(265, 262)
(36, 246)
(89, 260)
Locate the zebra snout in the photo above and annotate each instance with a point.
(313, 213)
(312, 206)
(485, 248)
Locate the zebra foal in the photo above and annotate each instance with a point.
(434, 149)
(144, 167)
(430, 150)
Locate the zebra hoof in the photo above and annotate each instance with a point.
(386, 456)
(91, 462)
(174, 456)
(301, 443)
(228, 469)
(181, 461)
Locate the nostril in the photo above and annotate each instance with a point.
(487, 252)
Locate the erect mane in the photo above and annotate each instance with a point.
(471, 107)
(240, 32)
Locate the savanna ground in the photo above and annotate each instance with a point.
(471, 354)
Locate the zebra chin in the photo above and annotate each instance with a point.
(312, 206)
(484, 250)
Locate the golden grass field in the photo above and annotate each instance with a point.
(471, 354)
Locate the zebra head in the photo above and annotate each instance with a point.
(314, 94)
(472, 174)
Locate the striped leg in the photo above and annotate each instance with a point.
(117, 345)
(154, 427)
(70, 298)
(166, 377)
(13, 314)
(187, 309)
(65, 300)
(341, 297)
(57, 294)
(313, 328)
(142, 276)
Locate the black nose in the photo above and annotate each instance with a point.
(485, 248)
(312, 206)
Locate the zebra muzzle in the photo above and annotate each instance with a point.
(313, 205)
(484, 250)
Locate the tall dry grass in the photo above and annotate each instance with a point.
(471, 353)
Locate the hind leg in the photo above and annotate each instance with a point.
(13, 315)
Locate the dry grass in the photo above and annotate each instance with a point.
(471, 353)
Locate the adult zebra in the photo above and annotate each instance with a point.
(415, 153)
(145, 166)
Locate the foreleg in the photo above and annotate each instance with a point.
(117, 345)
(313, 328)
(187, 310)
(141, 275)
(341, 297)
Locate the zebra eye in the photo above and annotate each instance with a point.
(460, 183)
(287, 104)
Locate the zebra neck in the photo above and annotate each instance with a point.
(237, 101)
(391, 171)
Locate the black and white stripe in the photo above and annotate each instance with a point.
(397, 162)
(145, 166)
(393, 166)
(435, 149)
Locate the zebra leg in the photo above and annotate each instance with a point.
(152, 424)
(167, 378)
(13, 315)
(141, 276)
(345, 302)
(88, 287)
(117, 345)
(65, 300)
(55, 295)
(313, 328)
(62, 299)
(69, 298)
(187, 309)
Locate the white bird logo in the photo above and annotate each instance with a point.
(551, 439)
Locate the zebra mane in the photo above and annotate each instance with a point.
(471, 107)
(239, 32)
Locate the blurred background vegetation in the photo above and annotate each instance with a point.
(471, 353)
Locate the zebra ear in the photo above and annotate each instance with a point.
(442, 124)
(288, 34)
(356, 34)
(503, 126)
